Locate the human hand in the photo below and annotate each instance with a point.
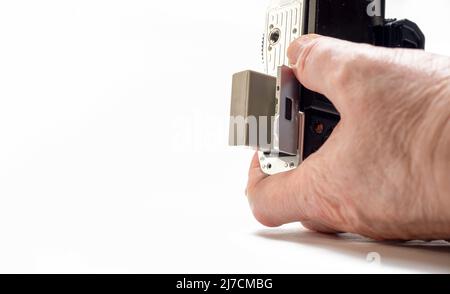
(385, 171)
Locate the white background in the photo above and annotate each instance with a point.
(113, 134)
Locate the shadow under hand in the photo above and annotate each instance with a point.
(430, 257)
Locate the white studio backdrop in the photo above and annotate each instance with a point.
(113, 141)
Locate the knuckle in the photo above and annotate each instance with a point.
(354, 73)
(343, 74)
(313, 51)
(352, 69)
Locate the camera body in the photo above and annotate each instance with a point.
(277, 115)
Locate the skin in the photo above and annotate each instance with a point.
(385, 171)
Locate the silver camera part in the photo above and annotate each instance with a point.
(288, 128)
(273, 163)
(284, 23)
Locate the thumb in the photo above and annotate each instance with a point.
(278, 199)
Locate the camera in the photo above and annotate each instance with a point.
(271, 111)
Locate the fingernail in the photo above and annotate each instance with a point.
(296, 48)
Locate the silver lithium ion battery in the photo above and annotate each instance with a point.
(253, 102)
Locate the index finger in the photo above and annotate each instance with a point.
(330, 66)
